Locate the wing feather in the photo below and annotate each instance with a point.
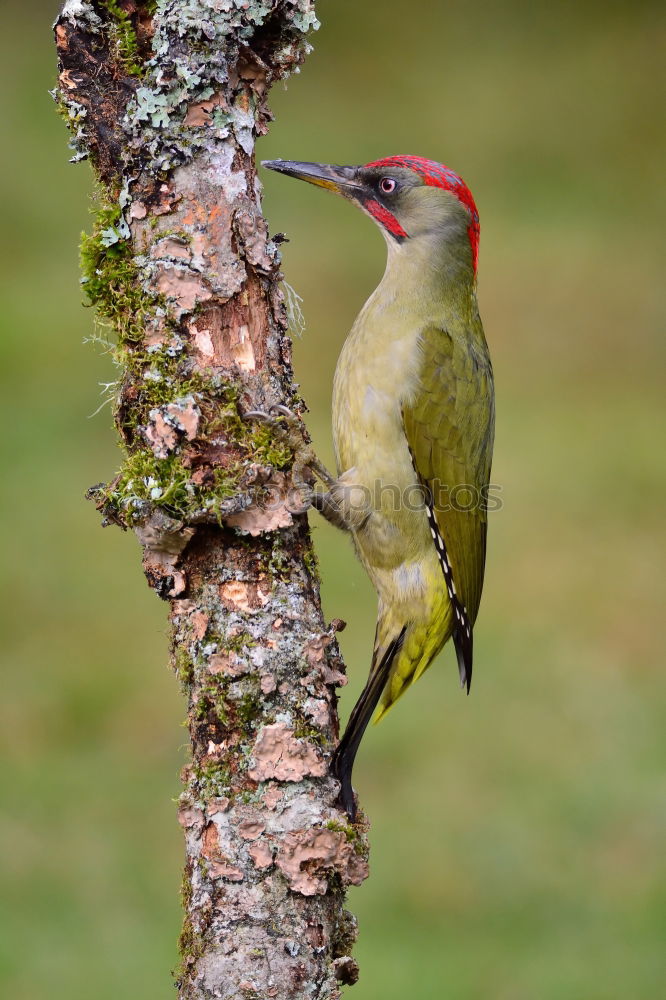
(449, 424)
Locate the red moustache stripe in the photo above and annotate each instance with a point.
(383, 215)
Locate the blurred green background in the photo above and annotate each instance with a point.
(518, 835)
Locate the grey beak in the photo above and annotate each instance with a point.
(339, 179)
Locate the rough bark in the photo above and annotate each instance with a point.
(167, 98)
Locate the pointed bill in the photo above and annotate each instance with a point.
(342, 180)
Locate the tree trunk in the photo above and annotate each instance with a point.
(167, 98)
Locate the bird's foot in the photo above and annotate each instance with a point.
(305, 465)
(290, 426)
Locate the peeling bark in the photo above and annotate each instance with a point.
(167, 98)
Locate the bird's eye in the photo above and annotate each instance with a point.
(387, 185)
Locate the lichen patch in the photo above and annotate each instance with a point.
(222, 869)
(251, 829)
(163, 539)
(169, 424)
(169, 248)
(279, 754)
(307, 859)
(185, 288)
(232, 182)
(228, 663)
(261, 854)
(257, 521)
(190, 816)
(317, 709)
(272, 796)
(315, 652)
(199, 622)
(267, 683)
(215, 806)
(203, 344)
(241, 596)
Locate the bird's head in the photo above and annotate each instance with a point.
(407, 196)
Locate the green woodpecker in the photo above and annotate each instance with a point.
(413, 422)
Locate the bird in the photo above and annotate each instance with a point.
(413, 425)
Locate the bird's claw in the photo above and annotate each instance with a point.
(284, 411)
(287, 422)
(273, 414)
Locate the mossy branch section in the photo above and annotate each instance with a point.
(129, 24)
(110, 277)
(167, 99)
(162, 375)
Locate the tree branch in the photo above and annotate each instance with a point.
(167, 99)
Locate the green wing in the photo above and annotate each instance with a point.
(450, 429)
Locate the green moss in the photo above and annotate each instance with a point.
(124, 38)
(158, 376)
(351, 834)
(190, 943)
(112, 283)
(238, 643)
(263, 440)
(248, 709)
(164, 483)
(311, 564)
(279, 561)
(62, 106)
(212, 699)
(183, 666)
(190, 947)
(177, 235)
(269, 448)
(305, 731)
(186, 889)
(344, 934)
(213, 780)
(231, 643)
(109, 275)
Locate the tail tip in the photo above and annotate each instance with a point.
(342, 773)
(463, 643)
(348, 801)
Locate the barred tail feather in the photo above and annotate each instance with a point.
(463, 640)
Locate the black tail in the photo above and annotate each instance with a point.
(345, 754)
(463, 640)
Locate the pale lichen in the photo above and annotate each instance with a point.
(194, 44)
(279, 753)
